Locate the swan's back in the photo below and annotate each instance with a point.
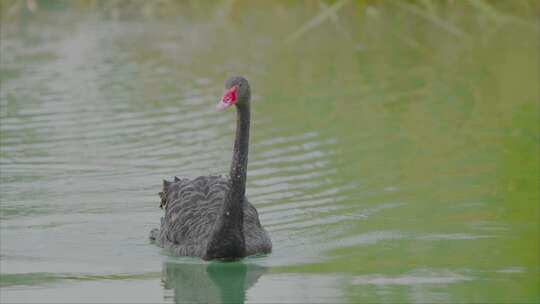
(192, 207)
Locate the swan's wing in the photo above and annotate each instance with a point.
(191, 209)
(257, 239)
(188, 189)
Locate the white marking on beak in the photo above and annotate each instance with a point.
(222, 105)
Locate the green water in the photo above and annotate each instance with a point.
(394, 157)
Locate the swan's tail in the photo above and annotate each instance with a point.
(166, 186)
(163, 193)
(154, 234)
(162, 196)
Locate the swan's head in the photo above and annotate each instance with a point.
(237, 93)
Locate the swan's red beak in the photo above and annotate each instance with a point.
(228, 99)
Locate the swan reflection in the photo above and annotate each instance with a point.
(216, 282)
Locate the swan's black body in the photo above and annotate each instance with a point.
(209, 216)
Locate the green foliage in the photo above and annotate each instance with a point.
(523, 11)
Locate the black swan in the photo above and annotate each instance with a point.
(209, 216)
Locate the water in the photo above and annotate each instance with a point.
(392, 159)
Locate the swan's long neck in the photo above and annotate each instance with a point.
(233, 209)
(228, 239)
(240, 156)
